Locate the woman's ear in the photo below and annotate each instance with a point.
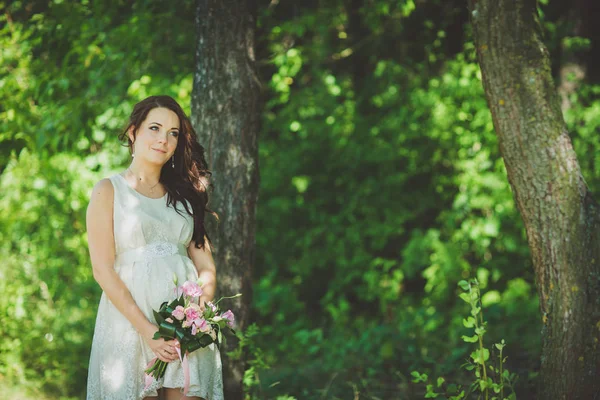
(130, 133)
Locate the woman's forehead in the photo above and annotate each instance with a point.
(163, 116)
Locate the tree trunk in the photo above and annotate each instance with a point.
(226, 115)
(561, 218)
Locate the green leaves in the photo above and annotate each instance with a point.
(469, 322)
(417, 377)
(158, 317)
(480, 356)
(464, 285)
(487, 377)
(470, 339)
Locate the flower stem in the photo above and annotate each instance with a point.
(228, 297)
(501, 377)
(163, 366)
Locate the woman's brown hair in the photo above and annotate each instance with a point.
(189, 180)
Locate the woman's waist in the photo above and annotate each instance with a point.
(150, 251)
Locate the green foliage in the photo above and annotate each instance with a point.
(381, 190)
(49, 294)
(484, 385)
(70, 73)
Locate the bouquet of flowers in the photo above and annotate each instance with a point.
(192, 328)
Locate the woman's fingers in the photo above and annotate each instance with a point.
(171, 353)
(161, 358)
(165, 356)
(166, 351)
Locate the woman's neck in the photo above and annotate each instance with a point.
(148, 174)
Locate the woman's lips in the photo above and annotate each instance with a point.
(160, 151)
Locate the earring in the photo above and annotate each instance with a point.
(173, 161)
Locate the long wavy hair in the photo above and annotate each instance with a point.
(190, 179)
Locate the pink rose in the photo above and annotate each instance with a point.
(228, 315)
(203, 325)
(191, 314)
(178, 313)
(192, 289)
(194, 329)
(169, 320)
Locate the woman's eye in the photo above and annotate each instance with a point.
(175, 133)
(152, 127)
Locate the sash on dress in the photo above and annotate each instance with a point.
(150, 251)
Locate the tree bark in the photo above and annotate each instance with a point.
(226, 115)
(561, 218)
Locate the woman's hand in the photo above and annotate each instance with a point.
(164, 349)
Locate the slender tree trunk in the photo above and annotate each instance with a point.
(226, 114)
(561, 218)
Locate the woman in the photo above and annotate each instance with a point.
(145, 225)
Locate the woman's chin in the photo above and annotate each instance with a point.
(157, 161)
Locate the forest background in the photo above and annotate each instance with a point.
(381, 186)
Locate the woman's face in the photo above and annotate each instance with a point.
(157, 136)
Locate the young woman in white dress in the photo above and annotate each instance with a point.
(145, 225)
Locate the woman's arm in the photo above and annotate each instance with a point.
(207, 272)
(101, 243)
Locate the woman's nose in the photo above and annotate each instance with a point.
(162, 138)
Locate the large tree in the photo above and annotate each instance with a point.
(561, 217)
(226, 114)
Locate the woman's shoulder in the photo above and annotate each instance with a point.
(103, 189)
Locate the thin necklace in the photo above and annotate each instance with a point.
(140, 179)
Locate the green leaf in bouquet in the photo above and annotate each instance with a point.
(167, 329)
(222, 323)
(205, 340)
(180, 334)
(208, 313)
(199, 341)
(159, 318)
(194, 345)
(156, 335)
(185, 343)
(170, 308)
(163, 306)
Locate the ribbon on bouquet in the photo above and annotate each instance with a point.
(148, 378)
(186, 368)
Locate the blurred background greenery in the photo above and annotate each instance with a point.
(381, 188)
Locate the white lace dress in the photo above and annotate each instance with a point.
(151, 242)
